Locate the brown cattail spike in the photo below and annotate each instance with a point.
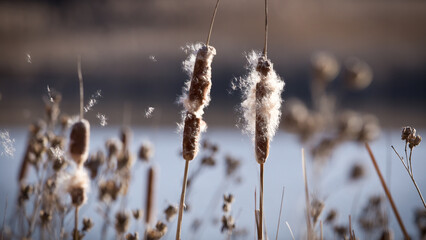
(79, 141)
(201, 79)
(191, 136)
(150, 196)
(262, 91)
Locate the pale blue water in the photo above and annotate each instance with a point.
(283, 168)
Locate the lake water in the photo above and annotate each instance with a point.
(283, 168)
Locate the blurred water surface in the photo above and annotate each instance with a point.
(283, 169)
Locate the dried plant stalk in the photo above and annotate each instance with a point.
(150, 196)
(388, 194)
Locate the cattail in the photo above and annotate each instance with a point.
(78, 186)
(195, 101)
(150, 196)
(79, 141)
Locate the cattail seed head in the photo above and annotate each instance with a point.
(191, 136)
(78, 186)
(199, 89)
(79, 141)
(261, 104)
(150, 196)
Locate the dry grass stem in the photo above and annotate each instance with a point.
(388, 194)
(289, 228)
(279, 217)
(308, 210)
(410, 173)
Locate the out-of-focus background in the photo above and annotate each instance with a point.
(131, 50)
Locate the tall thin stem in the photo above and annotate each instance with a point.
(307, 202)
(182, 200)
(75, 233)
(265, 46)
(80, 79)
(279, 218)
(261, 203)
(412, 178)
(388, 194)
(212, 22)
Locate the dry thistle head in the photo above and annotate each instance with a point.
(406, 132)
(79, 141)
(349, 125)
(146, 151)
(45, 217)
(134, 236)
(109, 190)
(137, 214)
(358, 75)
(331, 216)
(208, 161)
(126, 137)
(357, 172)
(25, 193)
(170, 212)
(94, 163)
(341, 231)
(122, 222)
(113, 147)
(150, 196)
(228, 223)
(87, 224)
(415, 141)
(228, 198)
(325, 67)
(78, 186)
(191, 136)
(316, 209)
(157, 233)
(124, 160)
(232, 165)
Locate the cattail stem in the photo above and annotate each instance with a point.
(388, 194)
(182, 200)
(265, 46)
(279, 218)
(261, 203)
(75, 233)
(80, 79)
(321, 232)
(212, 22)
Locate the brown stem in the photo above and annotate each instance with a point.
(279, 218)
(212, 22)
(388, 194)
(75, 234)
(80, 79)
(308, 211)
(265, 46)
(261, 203)
(182, 200)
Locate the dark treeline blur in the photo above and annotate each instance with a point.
(131, 50)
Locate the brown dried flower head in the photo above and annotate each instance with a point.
(325, 67)
(122, 222)
(87, 224)
(358, 75)
(146, 151)
(191, 136)
(79, 141)
(137, 214)
(134, 236)
(170, 212)
(406, 132)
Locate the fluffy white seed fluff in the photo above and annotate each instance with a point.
(269, 106)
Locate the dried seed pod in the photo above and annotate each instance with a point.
(122, 221)
(357, 172)
(79, 141)
(358, 75)
(415, 141)
(87, 224)
(146, 151)
(331, 216)
(199, 90)
(170, 212)
(150, 196)
(325, 67)
(191, 136)
(45, 217)
(134, 236)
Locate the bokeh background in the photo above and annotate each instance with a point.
(132, 52)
